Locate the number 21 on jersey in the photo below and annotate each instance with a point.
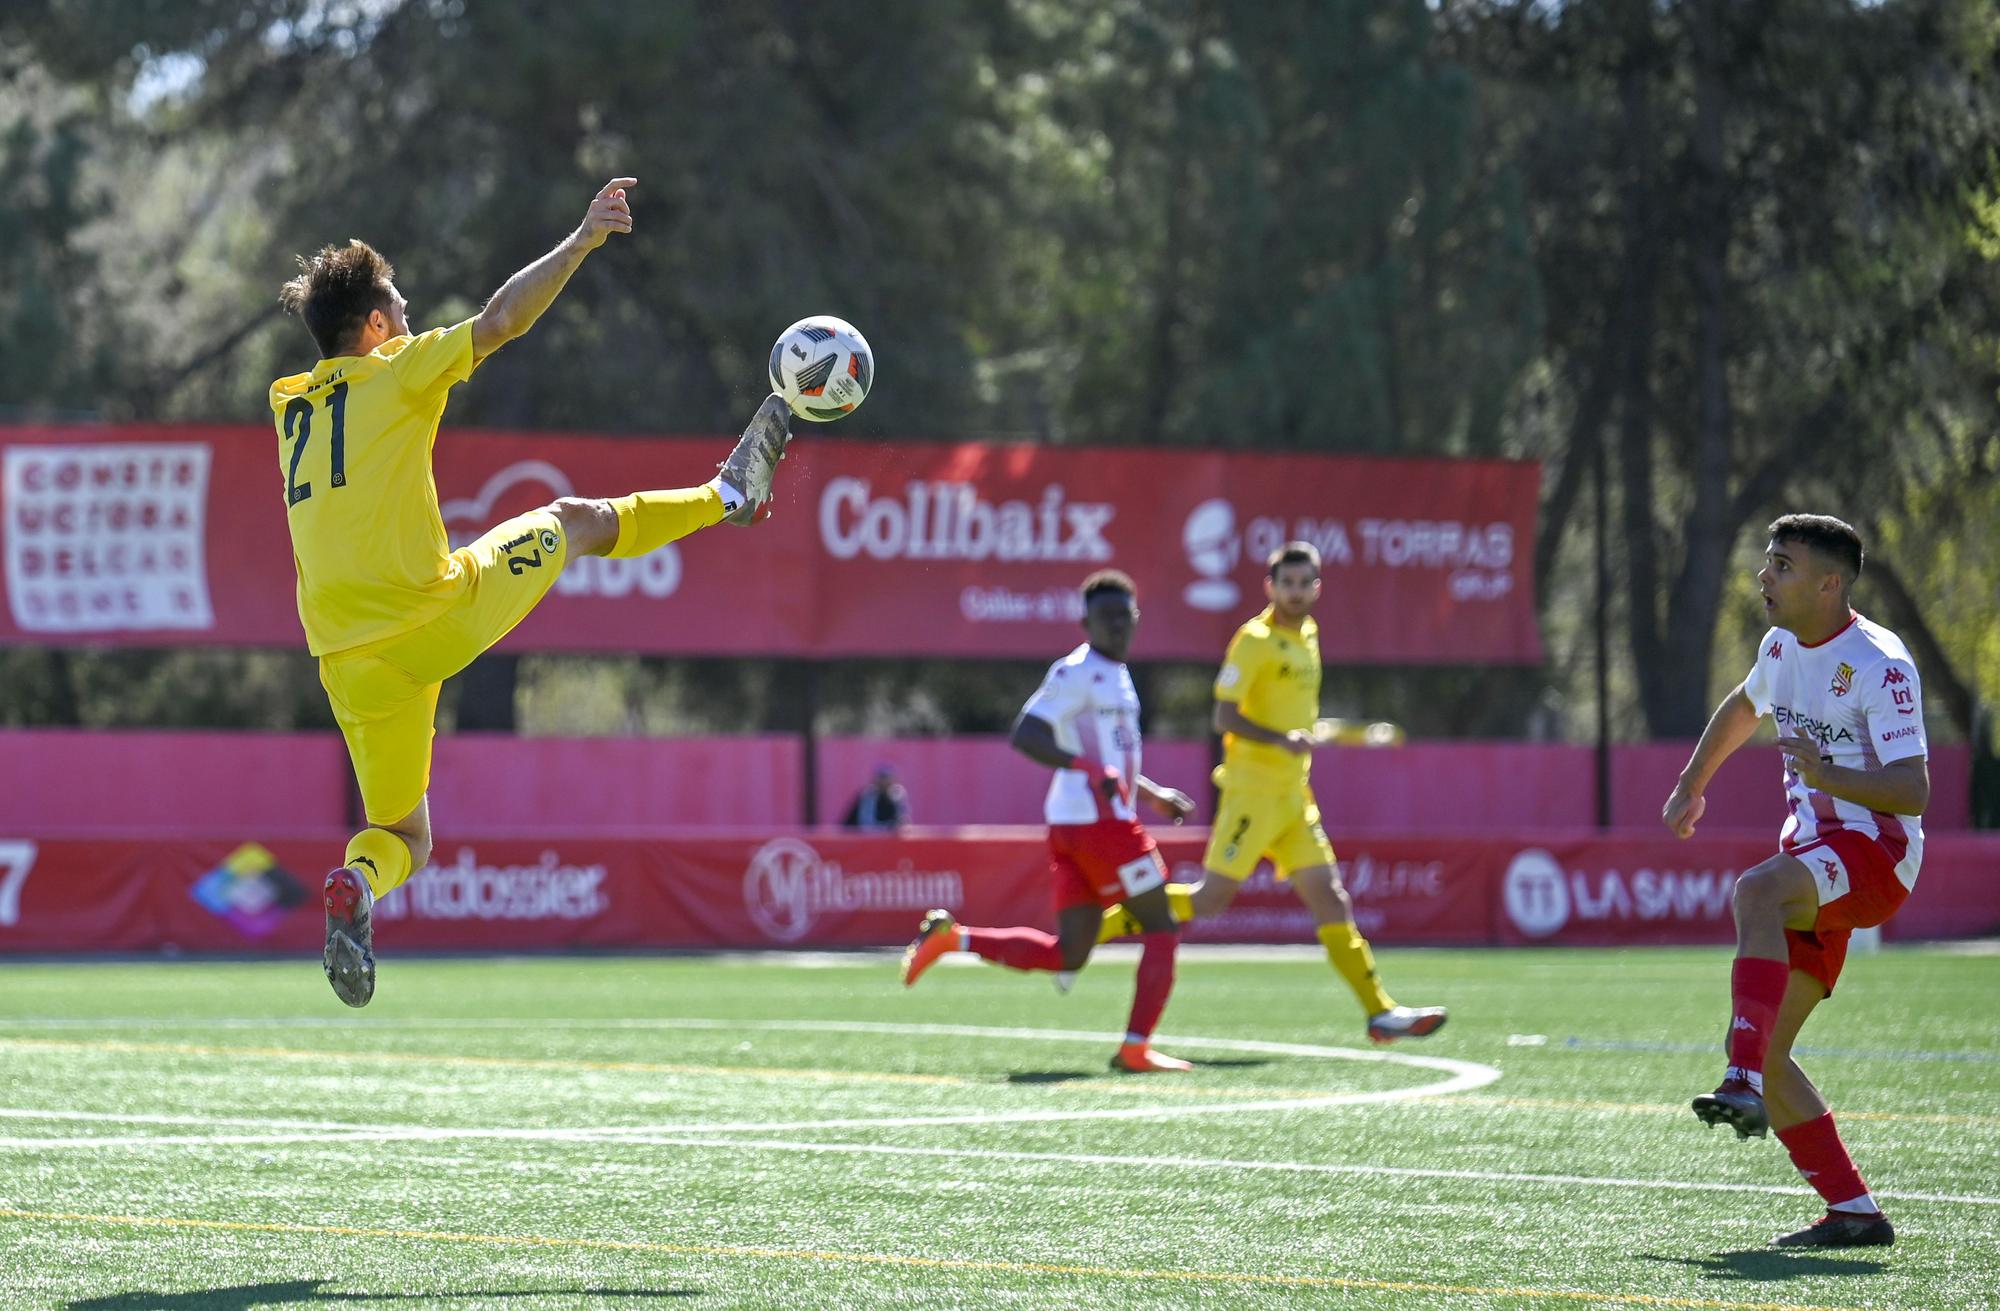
(298, 431)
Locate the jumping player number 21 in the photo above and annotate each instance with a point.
(298, 429)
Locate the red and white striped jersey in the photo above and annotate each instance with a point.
(1857, 695)
(1094, 708)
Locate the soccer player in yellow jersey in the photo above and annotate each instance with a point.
(388, 607)
(1266, 707)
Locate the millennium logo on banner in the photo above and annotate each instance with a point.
(788, 886)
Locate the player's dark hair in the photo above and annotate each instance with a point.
(1109, 580)
(1831, 537)
(1294, 553)
(336, 290)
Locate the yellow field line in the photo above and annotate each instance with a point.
(1147, 1087)
(497, 1062)
(1222, 1277)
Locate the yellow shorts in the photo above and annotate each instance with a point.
(1252, 823)
(385, 694)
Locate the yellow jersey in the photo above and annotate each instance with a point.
(1271, 675)
(354, 455)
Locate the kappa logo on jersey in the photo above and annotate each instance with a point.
(1742, 1023)
(1777, 651)
(1843, 679)
(1894, 677)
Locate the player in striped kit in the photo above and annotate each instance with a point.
(1849, 711)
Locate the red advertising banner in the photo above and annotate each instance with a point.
(813, 888)
(171, 534)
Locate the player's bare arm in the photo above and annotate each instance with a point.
(1229, 718)
(522, 298)
(1170, 803)
(1902, 787)
(1733, 723)
(1035, 738)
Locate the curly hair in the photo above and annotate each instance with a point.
(336, 290)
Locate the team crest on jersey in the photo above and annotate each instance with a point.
(1843, 679)
(550, 541)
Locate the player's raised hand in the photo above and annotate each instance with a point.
(608, 213)
(1683, 811)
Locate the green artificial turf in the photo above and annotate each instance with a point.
(802, 1132)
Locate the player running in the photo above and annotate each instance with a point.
(1267, 709)
(388, 607)
(1850, 718)
(1083, 722)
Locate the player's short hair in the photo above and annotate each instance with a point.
(336, 290)
(1293, 553)
(1831, 537)
(1109, 580)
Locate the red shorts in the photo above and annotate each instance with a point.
(1102, 864)
(1858, 889)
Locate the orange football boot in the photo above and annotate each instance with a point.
(1140, 1058)
(937, 935)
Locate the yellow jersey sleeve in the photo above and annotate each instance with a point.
(1240, 665)
(432, 361)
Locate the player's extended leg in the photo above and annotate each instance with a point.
(633, 525)
(1159, 938)
(1320, 888)
(1803, 1122)
(1017, 947)
(1774, 896)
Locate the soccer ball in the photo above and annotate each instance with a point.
(822, 367)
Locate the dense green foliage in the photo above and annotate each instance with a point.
(1748, 251)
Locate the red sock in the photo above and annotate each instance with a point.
(1018, 949)
(1822, 1158)
(1756, 990)
(1155, 982)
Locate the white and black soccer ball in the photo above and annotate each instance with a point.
(822, 367)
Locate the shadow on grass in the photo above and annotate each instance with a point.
(246, 1296)
(1072, 1076)
(1770, 1264)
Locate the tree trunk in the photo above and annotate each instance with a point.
(1680, 703)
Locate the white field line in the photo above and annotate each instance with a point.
(1462, 1076)
(704, 1141)
(1466, 1075)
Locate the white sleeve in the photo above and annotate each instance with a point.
(1056, 699)
(1893, 701)
(1757, 687)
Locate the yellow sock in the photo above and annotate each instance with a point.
(649, 520)
(382, 857)
(1119, 923)
(1352, 959)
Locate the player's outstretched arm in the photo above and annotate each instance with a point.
(1732, 724)
(523, 297)
(1229, 718)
